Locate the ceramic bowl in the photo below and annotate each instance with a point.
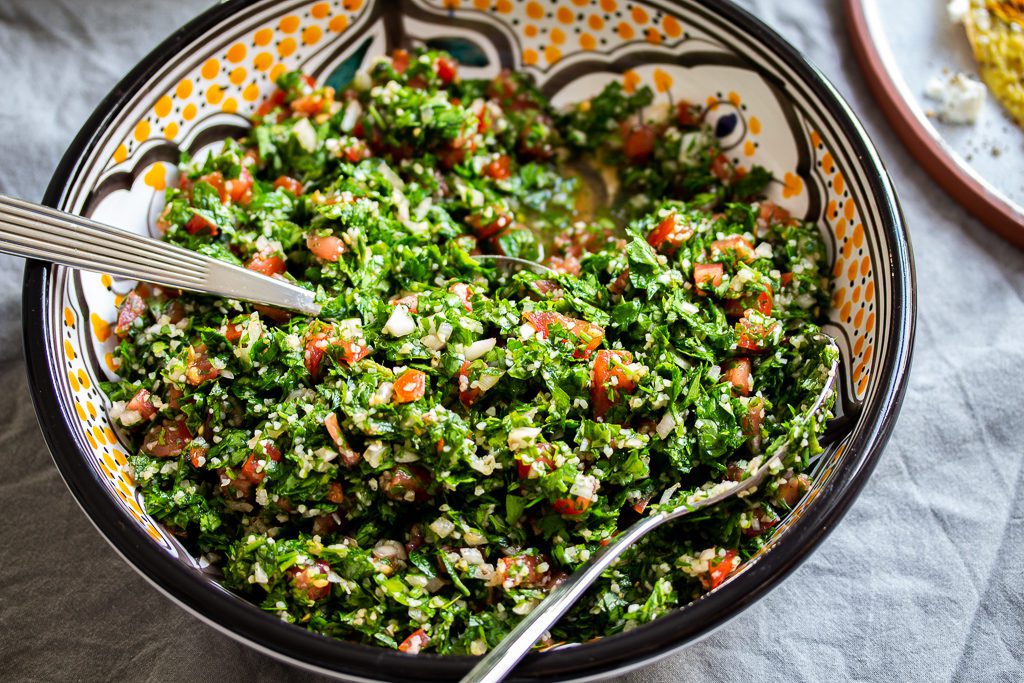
(767, 106)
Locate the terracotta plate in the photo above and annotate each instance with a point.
(901, 46)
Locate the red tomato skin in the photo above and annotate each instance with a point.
(416, 641)
(142, 404)
(737, 373)
(267, 265)
(500, 168)
(469, 395)
(131, 309)
(328, 248)
(703, 273)
(601, 374)
(571, 507)
(720, 570)
(288, 184)
(638, 145)
(410, 386)
(167, 439)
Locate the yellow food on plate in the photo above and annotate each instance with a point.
(996, 31)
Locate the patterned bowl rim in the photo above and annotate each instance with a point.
(606, 657)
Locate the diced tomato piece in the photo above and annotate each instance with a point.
(348, 456)
(197, 224)
(738, 245)
(312, 104)
(686, 114)
(199, 369)
(446, 70)
(216, 180)
(197, 456)
(277, 315)
(328, 248)
(163, 224)
(488, 230)
(353, 352)
(737, 373)
(722, 169)
(500, 168)
(240, 188)
(794, 487)
(406, 483)
(464, 292)
(771, 213)
(519, 570)
(670, 233)
(312, 580)
(736, 308)
(252, 470)
(528, 471)
(753, 336)
(313, 355)
(335, 493)
(275, 100)
(167, 439)
(288, 184)
(410, 386)
(267, 265)
(707, 273)
(325, 524)
(642, 504)
(175, 312)
(233, 332)
(751, 422)
(400, 60)
(356, 152)
(142, 404)
(565, 264)
(131, 310)
(572, 507)
(786, 279)
(638, 144)
(720, 570)
(588, 335)
(410, 301)
(417, 640)
(467, 394)
(608, 379)
(762, 520)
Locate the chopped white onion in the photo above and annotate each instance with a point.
(479, 348)
(667, 425)
(400, 323)
(442, 526)
(306, 135)
(521, 437)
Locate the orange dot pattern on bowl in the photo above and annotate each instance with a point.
(554, 29)
(853, 282)
(87, 401)
(242, 75)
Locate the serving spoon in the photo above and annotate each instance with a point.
(500, 661)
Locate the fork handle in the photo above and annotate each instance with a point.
(39, 232)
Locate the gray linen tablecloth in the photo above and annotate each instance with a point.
(924, 579)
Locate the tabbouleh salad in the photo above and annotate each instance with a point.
(417, 466)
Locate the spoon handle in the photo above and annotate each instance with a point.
(500, 661)
(38, 232)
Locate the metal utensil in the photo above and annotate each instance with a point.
(500, 661)
(39, 232)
